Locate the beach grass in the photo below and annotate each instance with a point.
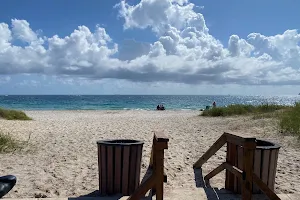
(240, 109)
(13, 114)
(287, 117)
(289, 121)
(8, 143)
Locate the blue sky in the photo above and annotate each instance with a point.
(149, 47)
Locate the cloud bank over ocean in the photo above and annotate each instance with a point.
(184, 50)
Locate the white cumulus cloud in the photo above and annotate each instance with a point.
(184, 52)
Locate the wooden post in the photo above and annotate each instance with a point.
(231, 159)
(249, 148)
(156, 180)
(152, 154)
(153, 162)
(159, 171)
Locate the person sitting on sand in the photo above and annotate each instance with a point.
(160, 107)
(214, 104)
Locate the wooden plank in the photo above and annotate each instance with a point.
(275, 167)
(118, 169)
(159, 173)
(210, 152)
(152, 153)
(215, 172)
(250, 143)
(144, 187)
(227, 172)
(125, 172)
(161, 145)
(272, 169)
(265, 166)
(257, 169)
(99, 166)
(154, 160)
(138, 164)
(234, 170)
(238, 181)
(103, 171)
(110, 172)
(264, 188)
(161, 137)
(132, 169)
(231, 159)
(248, 169)
(234, 139)
(156, 180)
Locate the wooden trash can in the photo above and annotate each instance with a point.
(265, 164)
(119, 164)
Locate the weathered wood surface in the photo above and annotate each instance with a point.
(244, 165)
(119, 168)
(157, 178)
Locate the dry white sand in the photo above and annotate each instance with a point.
(64, 162)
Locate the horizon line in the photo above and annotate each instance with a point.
(148, 95)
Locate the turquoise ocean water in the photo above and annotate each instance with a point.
(132, 102)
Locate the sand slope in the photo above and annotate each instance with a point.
(64, 162)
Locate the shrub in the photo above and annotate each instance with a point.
(264, 108)
(13, 114)
(239, 109)
(265, 115)
(214, 112)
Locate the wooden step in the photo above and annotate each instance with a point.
(178, 194)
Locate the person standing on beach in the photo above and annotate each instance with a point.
(214, 104)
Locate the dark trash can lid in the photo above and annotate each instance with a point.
(263, 144)
(120, 142)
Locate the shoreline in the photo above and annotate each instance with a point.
(108, 110)
(124, 109)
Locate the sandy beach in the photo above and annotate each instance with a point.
(61, 158)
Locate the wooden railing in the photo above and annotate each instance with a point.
(245, 174)
(158, 177)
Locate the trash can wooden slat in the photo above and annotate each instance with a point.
(265, 165)
(119, 163)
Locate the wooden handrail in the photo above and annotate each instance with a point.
(157, 178)
(246, 174)
(210, 152)
(264, 188)
(237, 140)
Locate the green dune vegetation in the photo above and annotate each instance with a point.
(13, 114)
(239, 109)
(8, 143)
(288, 117)
(289, 120)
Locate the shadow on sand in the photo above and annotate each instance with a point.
(97, 196)
(212, 193)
